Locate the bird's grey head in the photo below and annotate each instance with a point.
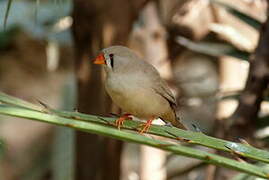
(118, 58)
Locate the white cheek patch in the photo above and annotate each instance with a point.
(109, 61)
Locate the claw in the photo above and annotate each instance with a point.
(120, 120)
(146, 126)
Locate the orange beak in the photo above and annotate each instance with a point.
(100, 59)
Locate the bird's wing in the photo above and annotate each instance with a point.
(159, 85)
(162, 89)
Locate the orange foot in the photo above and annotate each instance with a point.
(146, 126)
(120, 120)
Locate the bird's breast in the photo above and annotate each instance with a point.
(135, 96)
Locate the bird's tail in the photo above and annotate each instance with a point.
(177, 123)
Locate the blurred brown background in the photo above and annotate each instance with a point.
(213, 54)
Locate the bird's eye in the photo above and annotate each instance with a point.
(111, 56)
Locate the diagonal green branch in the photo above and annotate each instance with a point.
(7, 99)
(132, 137)
(102, 125)
(196, 138)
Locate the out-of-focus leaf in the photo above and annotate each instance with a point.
(233, 36)
(242, 16)
(40, 26)
(64, 140)
(247, 19)
(212, 49)
(230, 96)
(6, 36)
(263, 128)
(7, 12)
(2, 148)
(40, 167)
(233, 95)
(36, 10)
(243, 176)
(263, 121)
(239, 54)
(185, 170)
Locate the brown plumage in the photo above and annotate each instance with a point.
(136, 86)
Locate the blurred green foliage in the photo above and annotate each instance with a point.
(7, 36)
(2, 148)
(251, 21)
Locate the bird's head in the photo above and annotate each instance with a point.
(116, 58)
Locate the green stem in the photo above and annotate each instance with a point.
(196, 138)
(133, 137)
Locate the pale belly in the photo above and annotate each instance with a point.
(141, 102)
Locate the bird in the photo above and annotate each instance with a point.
(137, 88)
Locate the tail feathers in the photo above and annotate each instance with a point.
(177, 123)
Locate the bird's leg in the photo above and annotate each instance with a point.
(147, 125)
(120, 120)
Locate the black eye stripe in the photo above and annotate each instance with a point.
(111, 56)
